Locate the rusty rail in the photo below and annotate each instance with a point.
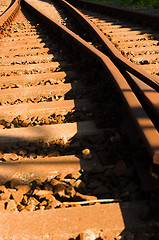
(115, 55)
(138, 115)
(38, 224)
(8, 15)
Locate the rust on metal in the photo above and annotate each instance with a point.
(148, 132)
(9, 14)
(43, 164)
(114, 53)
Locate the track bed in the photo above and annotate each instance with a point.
(65, 152)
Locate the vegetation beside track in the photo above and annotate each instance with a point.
(142, 5)
(150, 3)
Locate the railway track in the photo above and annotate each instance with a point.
(137, 41)
(66, 138)
(138, 44)
(133, 74)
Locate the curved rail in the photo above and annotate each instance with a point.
(9, 15)
(125, 90)
(115, 55)
(133, 106)
(39, 221)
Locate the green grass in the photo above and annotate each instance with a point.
(149, 3)
(136, 3)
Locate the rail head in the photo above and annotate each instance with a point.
(8, 15)
(125, 91)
